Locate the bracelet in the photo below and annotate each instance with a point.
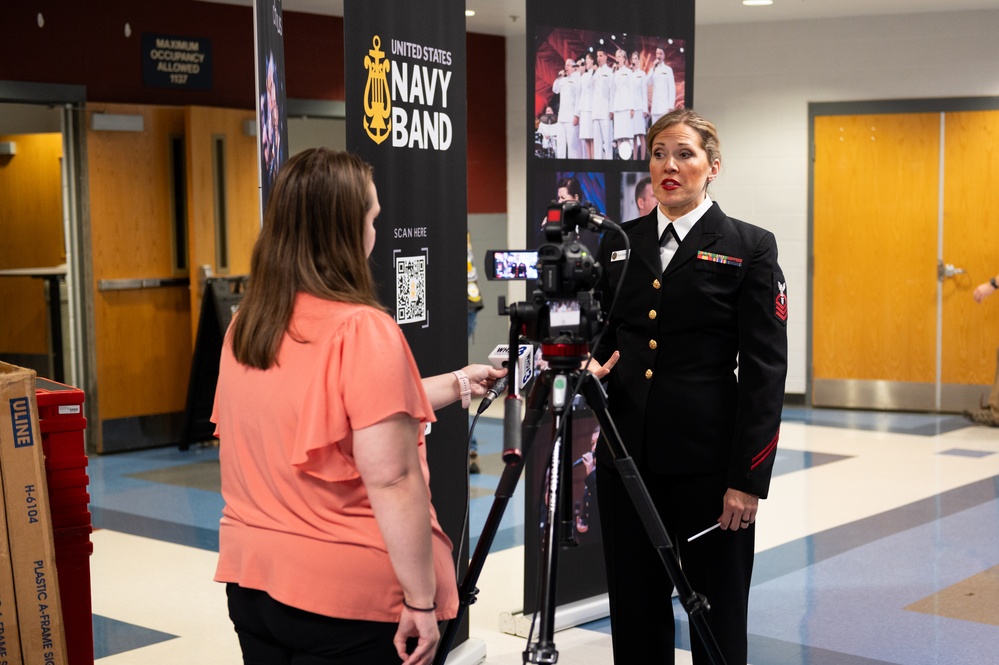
(418, 609)
(993, 283)
(465, 387)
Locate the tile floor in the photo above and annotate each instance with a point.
(879, 544)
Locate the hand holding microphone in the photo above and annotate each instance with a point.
(484, 379)
(588, 460)
(499, 357)
(493, 393)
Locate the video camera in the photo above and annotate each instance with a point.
(563, 312)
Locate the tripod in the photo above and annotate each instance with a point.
(554, 389)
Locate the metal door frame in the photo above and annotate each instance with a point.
(71, 99)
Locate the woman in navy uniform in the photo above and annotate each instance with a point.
(701, 327)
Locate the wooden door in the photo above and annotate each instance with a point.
(31, 236)
(146, 286)
(222, 209)
(874, 243)
(970, 331)
(142, 331)
(905, 226)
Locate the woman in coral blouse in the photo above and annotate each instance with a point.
(328, 543)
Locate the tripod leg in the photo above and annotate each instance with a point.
(543, 650)
(504, 492)
(693, 603)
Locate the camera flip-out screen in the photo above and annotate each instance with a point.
(505, 264)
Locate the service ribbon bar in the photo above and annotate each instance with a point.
(719, 258)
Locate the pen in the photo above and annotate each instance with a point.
(710, 528)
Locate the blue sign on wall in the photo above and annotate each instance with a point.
(176, 62)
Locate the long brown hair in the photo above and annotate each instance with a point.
(312, 241)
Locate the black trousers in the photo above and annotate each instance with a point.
(272, 633)
(718, 565)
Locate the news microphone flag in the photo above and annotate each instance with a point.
(500, 356)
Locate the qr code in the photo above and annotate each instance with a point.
(410, 289)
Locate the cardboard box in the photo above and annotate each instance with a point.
(29, 521)
(10, 641)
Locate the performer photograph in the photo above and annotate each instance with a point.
(575, 72)
(701, 328)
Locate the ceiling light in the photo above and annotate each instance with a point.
(469, 12)
(757, 3)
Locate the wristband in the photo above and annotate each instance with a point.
(993, 283)
(418, 609)
(464, 387)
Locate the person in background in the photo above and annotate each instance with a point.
(987, 413)
(568, 189)
(587, 504)
(703, 294)
(585, 106)
(640, 93)
(566, 86)
(645, 197)
(663, 84)
(551, 133)
(329, 547)
(600, 108)
(622, 106)
(474, 305)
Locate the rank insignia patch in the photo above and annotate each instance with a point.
(780, 301)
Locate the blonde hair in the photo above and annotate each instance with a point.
(704, 128)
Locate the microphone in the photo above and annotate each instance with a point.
(598, 222)
(524, 371)
(578, 462)
(493, 393)
(500, 356)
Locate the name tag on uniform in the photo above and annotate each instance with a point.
(620, 255)
(719, 258)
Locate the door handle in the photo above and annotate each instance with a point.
(945, 270)
(148, 283)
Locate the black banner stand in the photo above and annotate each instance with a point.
(220, 300)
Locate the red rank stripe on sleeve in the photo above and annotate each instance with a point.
(766, 452)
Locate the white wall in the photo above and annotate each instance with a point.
(755, 81)
(516, 151)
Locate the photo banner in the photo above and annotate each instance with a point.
(598, 75)
(272, 101)
(404, 66)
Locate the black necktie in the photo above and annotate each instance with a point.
(667, 232)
